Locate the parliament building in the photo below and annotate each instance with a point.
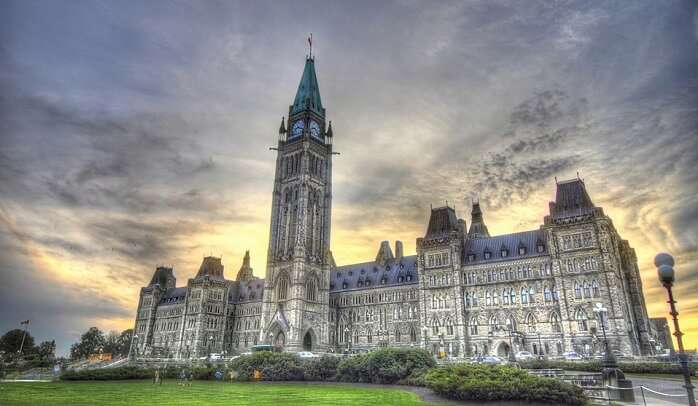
(464, 293)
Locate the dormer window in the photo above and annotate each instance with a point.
(368, 282)
(351, 273)
(505, 252)
(331, 286)
(384, 280)
(409, 277)
(488, 255)
(344, 285)
(522, 250)
(540, 248)
(471, 257)
(360, 283)
(400, 278)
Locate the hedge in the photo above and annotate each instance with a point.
(130, 372)
(272, 365)
(389, 365)
(500, 383)
(597, 366)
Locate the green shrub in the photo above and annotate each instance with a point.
(389, 365)
(596, 366)
(500, 383)
(107, 374)
(273, 366)
(320, 369)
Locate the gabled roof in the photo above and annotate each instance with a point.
(394, 272)
(529, 240)
(308, 93)
(571, 199)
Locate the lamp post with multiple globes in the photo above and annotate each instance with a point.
(665, 271)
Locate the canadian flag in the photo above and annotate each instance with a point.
(310, 40)
(24, 322)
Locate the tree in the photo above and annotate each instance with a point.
(118, 344)
(12, 340)
(47, 350)
(90, 342)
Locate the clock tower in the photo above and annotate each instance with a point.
(296, 291)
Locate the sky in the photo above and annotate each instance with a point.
(135, 134)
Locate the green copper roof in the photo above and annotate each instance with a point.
(308, 94)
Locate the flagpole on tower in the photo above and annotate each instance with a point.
(26, 325)
(310, 43)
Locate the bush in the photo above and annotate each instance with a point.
(320, 369)
(500, 383)
(596, 366)
(389, 365)
(107, 374)
(273, 366)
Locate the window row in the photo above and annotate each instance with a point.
(581, 264)
(579, 240)
(507, 274)
(438, 259)
(586, 290)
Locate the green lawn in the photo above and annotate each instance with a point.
(200, 393)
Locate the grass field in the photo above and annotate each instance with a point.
(200, 393)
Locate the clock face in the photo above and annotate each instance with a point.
(297, 129)
(315, 130)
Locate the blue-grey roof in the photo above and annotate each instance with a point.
(571, 200)
(394, 272)
(173, 296)
(442, 221)
(529, 240)
(308, 94)
(247, 291)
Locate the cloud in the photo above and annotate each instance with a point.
(139, 134)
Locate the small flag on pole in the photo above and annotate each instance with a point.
(24, 322)
(310, 43)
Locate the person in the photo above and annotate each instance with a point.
(182, 377)
(156, 377)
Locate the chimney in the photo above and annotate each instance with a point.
(398, 250)
(385, 254)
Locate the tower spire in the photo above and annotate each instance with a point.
(478, 229)
(308, 93)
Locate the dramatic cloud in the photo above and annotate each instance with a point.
(134, 134)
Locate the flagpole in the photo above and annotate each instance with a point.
(21, 346)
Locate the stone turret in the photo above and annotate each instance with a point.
(245, 273)
(478, 229)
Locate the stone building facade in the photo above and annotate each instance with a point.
(464, 293)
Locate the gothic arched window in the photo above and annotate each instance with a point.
(555, 323)
(282, 287)
(581, 318)
(587, 290)
(473, 326)
(577, 291)
(311, 289)
(595, 289)
(531, 322)
(493, 323)
(524, 296)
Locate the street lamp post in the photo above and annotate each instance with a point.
(609, 359)
(665, 270)
(512, 356)
(425, 330)
(540, 347)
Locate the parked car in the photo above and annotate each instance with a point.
(619, 354)
(524, 356)
(572, 356)
(307, 354)
(491, 360)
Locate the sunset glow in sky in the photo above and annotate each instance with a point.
(134, 134)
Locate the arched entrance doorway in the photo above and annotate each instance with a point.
(503, 350)
(308, 341)
(280, 339)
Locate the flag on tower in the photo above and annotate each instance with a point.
(24, 322)
(310, 43)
